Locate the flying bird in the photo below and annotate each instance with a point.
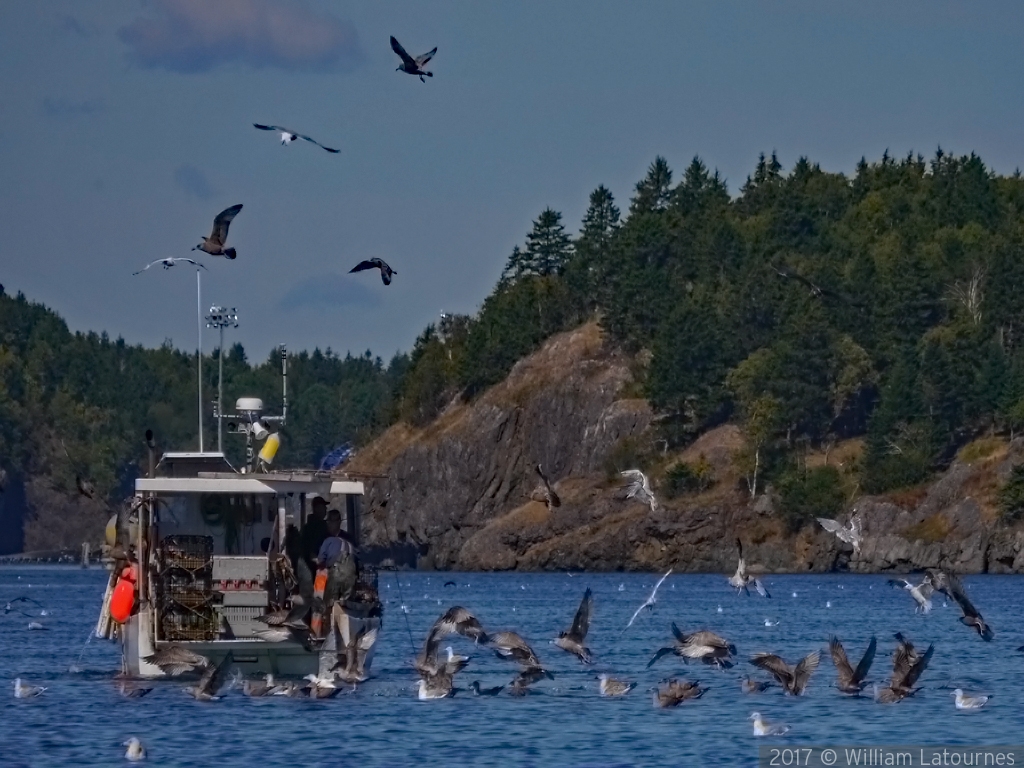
(213, 679)
(385, 270)
(851, 680)
(176, 659)
(640, 489)
(130, 691)
(214, 244)
(288, 136)
(458, 620)
(649, 602)
(907, 666)
(23, 691)
(792, 678)
(572, 639)
(509, 645)
(702, 645)
(851, 535)
(521, 684)
(475, 687)
(544, 492)
(169, 262)
(410, 65)
(23, 599)
(921, 592)
(950, 585)
(741, 580)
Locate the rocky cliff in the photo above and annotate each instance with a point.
(460, 491)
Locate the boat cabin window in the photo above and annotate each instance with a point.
(237, 522)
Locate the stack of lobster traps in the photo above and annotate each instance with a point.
(186, 589)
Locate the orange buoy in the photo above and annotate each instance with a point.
(122, 600)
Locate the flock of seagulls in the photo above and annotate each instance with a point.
(215, 244)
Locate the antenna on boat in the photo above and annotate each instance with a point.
(284, 384)
(199, 354)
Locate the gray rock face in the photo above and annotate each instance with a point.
(459, 491)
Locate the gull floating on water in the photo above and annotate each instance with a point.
(214, 244)
(950, 585)
(435, 687)
(761, 728)
(754, 686)
(741, 580)
(168, 263)
(257, 688)
(410, 65)
(676, 692)
(920, 592)
(612, 687)
(22, 691)
(36, 625)
(572, 639)
(792, 678)
(770, 623)
(288, 136)
(649, 602)
(639, 488)
(135, 752)
(851, 680)
(851, 535)
(969, 702)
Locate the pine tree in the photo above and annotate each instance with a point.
(548, 247)
(601, 219)
(654, 192)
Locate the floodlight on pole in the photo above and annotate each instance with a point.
(221, 318)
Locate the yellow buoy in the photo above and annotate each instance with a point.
(270, 446)
(111, 531)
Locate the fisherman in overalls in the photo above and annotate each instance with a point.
(337, 557)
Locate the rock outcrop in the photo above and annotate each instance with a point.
(459, 491)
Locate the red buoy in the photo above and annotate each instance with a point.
(122, 600)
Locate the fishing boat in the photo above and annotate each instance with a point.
(203, 550)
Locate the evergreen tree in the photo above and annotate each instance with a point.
(655, 191)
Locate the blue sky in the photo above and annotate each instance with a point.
(127, 127)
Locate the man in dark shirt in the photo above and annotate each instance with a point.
(314, 532)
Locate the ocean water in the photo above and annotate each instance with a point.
(81, 720)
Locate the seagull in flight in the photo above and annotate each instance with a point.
(385, 269)
(921, 593)
(741, 580)
(410, 65)
(851, 534)
(168, 263)
(214, 244)
(288, 136)
(640, 488)
(649, 602)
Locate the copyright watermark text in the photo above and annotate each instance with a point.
(878, 757)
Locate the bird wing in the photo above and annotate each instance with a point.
(429, 652)
(190, 261)
(831, 526)
(637, 612)
(272, 128)
(900, 583)
(660, 582)
(678, 634)
(920, 666)
(222, 222)
(658, 654)
(366, 264)
(25, 599)
(804, 670)
(423, 59)
(581, 622)
(955, 589)
(314, 141)
(215, 677)
(843, 668)
(397, 48)
(866, 661)
(760, 588)
(152, 263)
(771, 663)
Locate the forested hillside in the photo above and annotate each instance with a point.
(809, 308)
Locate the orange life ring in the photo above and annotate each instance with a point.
(122, 600)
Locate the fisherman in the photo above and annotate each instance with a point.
(314, 531)
(338, 555)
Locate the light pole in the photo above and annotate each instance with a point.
(221, 318)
